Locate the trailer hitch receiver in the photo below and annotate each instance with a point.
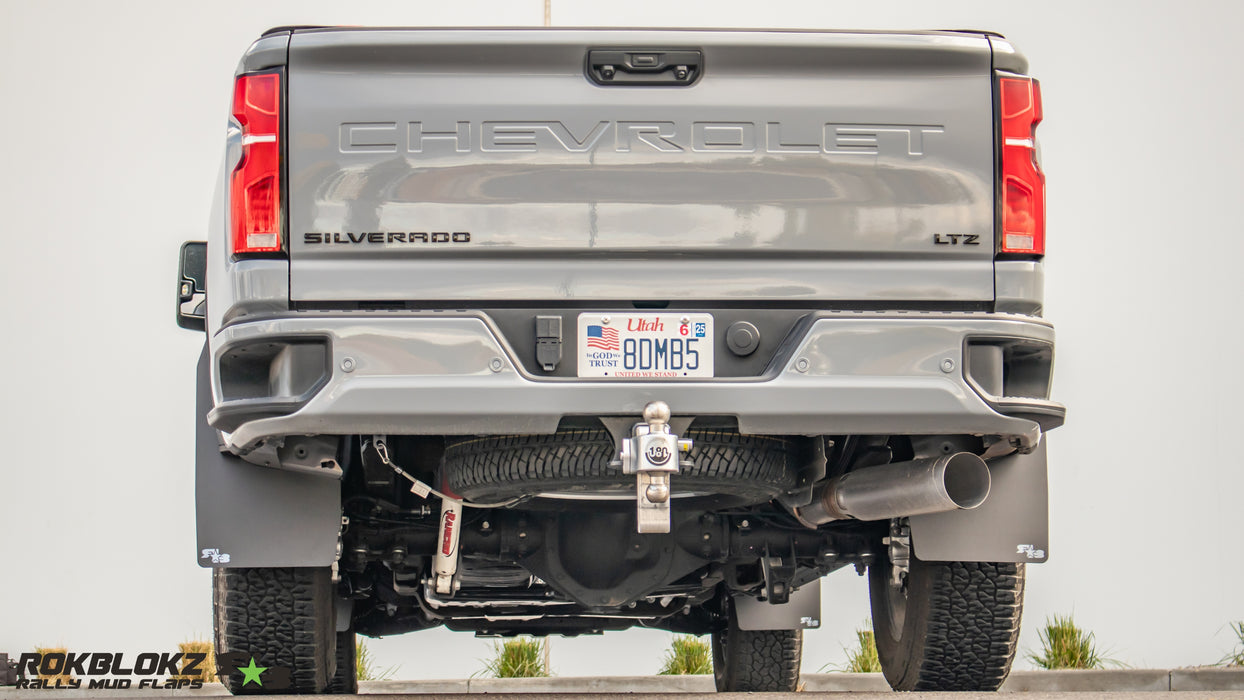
(653, 454)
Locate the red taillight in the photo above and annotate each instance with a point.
(1023, 183)
(255, 191)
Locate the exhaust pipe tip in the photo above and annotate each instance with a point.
(966, 480)
(957, 481)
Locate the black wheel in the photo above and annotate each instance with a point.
(950, 626)
(281, 620)
(756, 660)
(345, 680)
(753, 468)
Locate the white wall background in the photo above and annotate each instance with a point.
(112, 116)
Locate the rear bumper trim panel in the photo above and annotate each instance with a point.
(453, 374)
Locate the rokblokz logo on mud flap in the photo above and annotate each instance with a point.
(155, 670)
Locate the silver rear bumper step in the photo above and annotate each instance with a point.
(452, 374)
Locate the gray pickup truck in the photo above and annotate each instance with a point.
(563, 331)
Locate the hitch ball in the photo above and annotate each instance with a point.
(657, 412)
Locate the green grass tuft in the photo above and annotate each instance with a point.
(1235, 658)
(1066, 646)
(521, 657)
(862, 658)
(365, 664)
(687, 656)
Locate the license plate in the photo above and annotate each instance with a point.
(645, 346)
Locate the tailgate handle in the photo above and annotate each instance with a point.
(644, 66)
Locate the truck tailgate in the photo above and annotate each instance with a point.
(485, 165)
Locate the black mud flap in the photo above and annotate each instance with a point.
(801, 612)
(1012, 525)
(252, 516)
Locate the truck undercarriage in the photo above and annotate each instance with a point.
(575, 563)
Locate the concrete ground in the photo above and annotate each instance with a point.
(887, 695)
(1041, 695)
(1121, 684)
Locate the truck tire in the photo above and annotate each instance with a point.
(345, 679)
(765, 661)
(954, 625)
(283, 618)
(753, 468)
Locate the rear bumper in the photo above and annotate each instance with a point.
(438, 373)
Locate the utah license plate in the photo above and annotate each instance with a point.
(645, 346)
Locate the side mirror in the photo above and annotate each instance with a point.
(192, 286)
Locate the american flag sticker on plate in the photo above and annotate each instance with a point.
(602, 337)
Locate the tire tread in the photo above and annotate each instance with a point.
(960, 629)
(345, 679)
(492, 467)
(973, 628)
(281, 617)
(757, 660)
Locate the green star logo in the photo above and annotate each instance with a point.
(251, 673)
